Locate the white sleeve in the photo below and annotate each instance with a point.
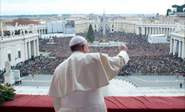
(112, 65)
(124, 58)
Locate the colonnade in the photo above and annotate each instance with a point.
(42, 31)
(157, 30)
(147, 30)
(177, 45)
(31, 49)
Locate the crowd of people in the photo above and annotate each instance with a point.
(163, 65)
(39, 65)
(144, 56)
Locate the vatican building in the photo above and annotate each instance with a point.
(18, 47)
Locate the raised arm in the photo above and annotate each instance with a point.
(112, 65)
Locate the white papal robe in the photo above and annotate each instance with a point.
(76, 84)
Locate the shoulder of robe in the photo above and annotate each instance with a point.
(61, 65)
(103, 54)
(92, 54)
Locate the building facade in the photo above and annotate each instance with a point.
(147, 28)
(16, 48)
(57, 27)
(82, 25)
(123, 24)
(177, 44)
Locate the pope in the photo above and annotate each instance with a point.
(77, 82)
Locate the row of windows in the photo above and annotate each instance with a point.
(9, 56)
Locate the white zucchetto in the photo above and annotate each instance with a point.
(77, 40)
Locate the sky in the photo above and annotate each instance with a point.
(17, 7)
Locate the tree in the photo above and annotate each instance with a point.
(179, 8)
(183, 7)
(7, 93)
(90, 34)
(167, 12)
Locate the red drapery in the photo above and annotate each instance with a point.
(43, 103)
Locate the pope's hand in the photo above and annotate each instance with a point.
(123, 47)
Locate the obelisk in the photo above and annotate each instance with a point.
(104, 23)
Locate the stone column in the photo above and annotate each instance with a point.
(167, 32)
(157, 32)
(146, 30)
(137, 30)
(29, 50)
(161, 30)
(37, 47)
(34, 48)
(180, 49)
(171, 45)
(183, 49)
(143, 31)
(174, 46)
(154, 30)
(149, 30)
(25, 51)
(40, 32)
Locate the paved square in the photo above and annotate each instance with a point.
(120, 86)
